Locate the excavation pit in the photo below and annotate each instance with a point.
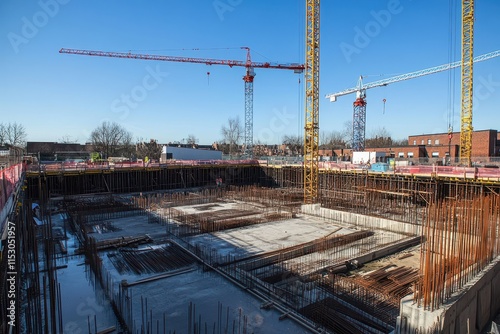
(265, 262)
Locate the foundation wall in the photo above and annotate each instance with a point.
(362, 221)
(468, 312)
(65, 183)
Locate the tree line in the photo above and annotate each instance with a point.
(12, 135)
(110, 139)
(232, 139)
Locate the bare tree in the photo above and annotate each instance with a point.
(347, 133)
(400, 142)
(232, 135)
(111, 139)
(295, 144)
(332, 140)
(150, 149)
(379, 138)
(3, 134)
(66, 139)
(12, 134)
(192, 141)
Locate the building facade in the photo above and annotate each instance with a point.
(53, 151)
(485, 144)
(434, 148)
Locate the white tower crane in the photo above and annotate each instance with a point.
(359, 110)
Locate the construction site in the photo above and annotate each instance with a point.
(172, 250)
(243, 246)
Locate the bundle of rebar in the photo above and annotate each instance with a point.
(392, 281)
(145, 261)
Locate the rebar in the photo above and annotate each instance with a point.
(461, 238)
(458, 221)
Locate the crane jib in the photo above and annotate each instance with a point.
(411, 75)
(297, 68)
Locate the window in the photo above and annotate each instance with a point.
(422, 142)
(436, 142)
(435, 154)
(410, 154)
(401, 154)
(429, 141)
(414, 142)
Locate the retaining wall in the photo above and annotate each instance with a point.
(469, 311)
(361, 220)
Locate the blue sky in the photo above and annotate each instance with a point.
(59, 95)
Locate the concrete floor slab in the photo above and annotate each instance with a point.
(132, 226)
(269, 236)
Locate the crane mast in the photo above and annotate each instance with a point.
(311, 128)
(248, 78)
(467, 71)
(359, 118)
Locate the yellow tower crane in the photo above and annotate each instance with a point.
(311, 128)
(467, 64)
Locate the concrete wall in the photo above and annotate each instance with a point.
(361, 220)
(468, 311)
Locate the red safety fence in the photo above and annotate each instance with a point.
(424, 170)
(9, 177)
(451, 171)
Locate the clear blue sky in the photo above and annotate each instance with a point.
(58, 95)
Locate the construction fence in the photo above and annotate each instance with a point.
(9, 177)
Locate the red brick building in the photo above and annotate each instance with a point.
(485, 144)
(435, 148)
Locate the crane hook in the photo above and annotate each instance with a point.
(383, 112)
(208, 78)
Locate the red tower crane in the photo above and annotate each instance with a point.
(248, 78)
